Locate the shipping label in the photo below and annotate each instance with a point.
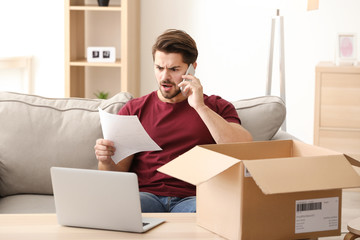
(313, 215)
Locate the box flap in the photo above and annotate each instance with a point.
(198, 165)
(354, 159)
(284, 175)
(254, 150)
(301, 149)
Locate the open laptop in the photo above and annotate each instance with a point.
(99, 199)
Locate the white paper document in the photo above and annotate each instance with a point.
(127, 133)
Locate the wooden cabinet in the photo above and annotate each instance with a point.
(337, 107)
(117, 25)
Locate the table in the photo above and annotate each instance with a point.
(45, 227)
(354, 229)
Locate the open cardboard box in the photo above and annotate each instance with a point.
(267, 190)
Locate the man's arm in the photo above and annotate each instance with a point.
(104, 150)
(221, 130)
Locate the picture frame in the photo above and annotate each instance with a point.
(346, 48)
(101, 54)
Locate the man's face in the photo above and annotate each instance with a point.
(169, 68)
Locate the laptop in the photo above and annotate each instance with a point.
(99, 199)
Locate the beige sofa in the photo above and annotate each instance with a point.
(37, 133)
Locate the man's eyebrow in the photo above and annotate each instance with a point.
(157, 65)
(174, 67)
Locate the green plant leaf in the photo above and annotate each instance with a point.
(102, 95)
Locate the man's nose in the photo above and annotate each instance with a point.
(165, 75)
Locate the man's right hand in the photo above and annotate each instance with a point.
(104, 150)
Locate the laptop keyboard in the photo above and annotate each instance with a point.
(145, 223)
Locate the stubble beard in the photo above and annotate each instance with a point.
(169, 95)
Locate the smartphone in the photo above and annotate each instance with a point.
(190, 70)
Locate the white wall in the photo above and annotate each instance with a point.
(35, 28)
(232, 38)
(310, 38)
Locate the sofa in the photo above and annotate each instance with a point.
(37, 133)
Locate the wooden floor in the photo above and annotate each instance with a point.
(350, 211)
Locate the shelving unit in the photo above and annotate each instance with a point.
(117, 25)
(337, 107)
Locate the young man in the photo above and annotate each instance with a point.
(177, 121)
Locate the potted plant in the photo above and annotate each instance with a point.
(102, 95)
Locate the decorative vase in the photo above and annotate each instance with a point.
(103, 3)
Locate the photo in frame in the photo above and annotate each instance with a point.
(101, 54)
(346, 48)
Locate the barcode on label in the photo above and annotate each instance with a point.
(308, 206)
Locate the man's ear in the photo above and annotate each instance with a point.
(195, 65)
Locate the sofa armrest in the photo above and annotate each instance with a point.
(282, 135)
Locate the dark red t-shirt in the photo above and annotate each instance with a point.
(176, 128)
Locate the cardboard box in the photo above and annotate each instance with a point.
(267, 190)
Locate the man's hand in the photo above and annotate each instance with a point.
(194, 90)
(104, 150)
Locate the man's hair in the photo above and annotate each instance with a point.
(176, 41)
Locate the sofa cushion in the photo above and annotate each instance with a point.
(261, 116)
(38, 132)
(27, 203)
